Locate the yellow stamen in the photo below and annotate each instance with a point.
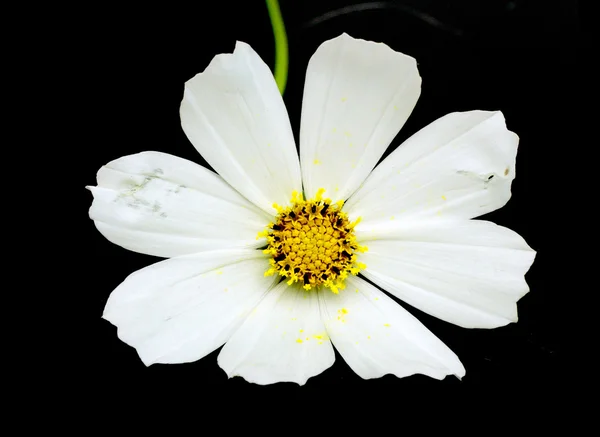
(313, 242)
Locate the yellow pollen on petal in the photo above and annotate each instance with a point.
(312, 242)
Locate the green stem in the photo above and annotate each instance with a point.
(281, 44)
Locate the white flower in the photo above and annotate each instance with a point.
(221, 286)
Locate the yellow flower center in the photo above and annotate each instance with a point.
(313, 242)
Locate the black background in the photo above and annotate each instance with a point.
(520, 57)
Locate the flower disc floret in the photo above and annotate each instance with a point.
(313, 242)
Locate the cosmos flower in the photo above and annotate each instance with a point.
(271, 257)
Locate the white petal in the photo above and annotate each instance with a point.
(461, 165)
(181, 309)
(162, 205)
(466, 272)
(357, 96)
(234, 115)
(283, 339)
(377, 336)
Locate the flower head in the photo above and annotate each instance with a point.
(268, 257)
